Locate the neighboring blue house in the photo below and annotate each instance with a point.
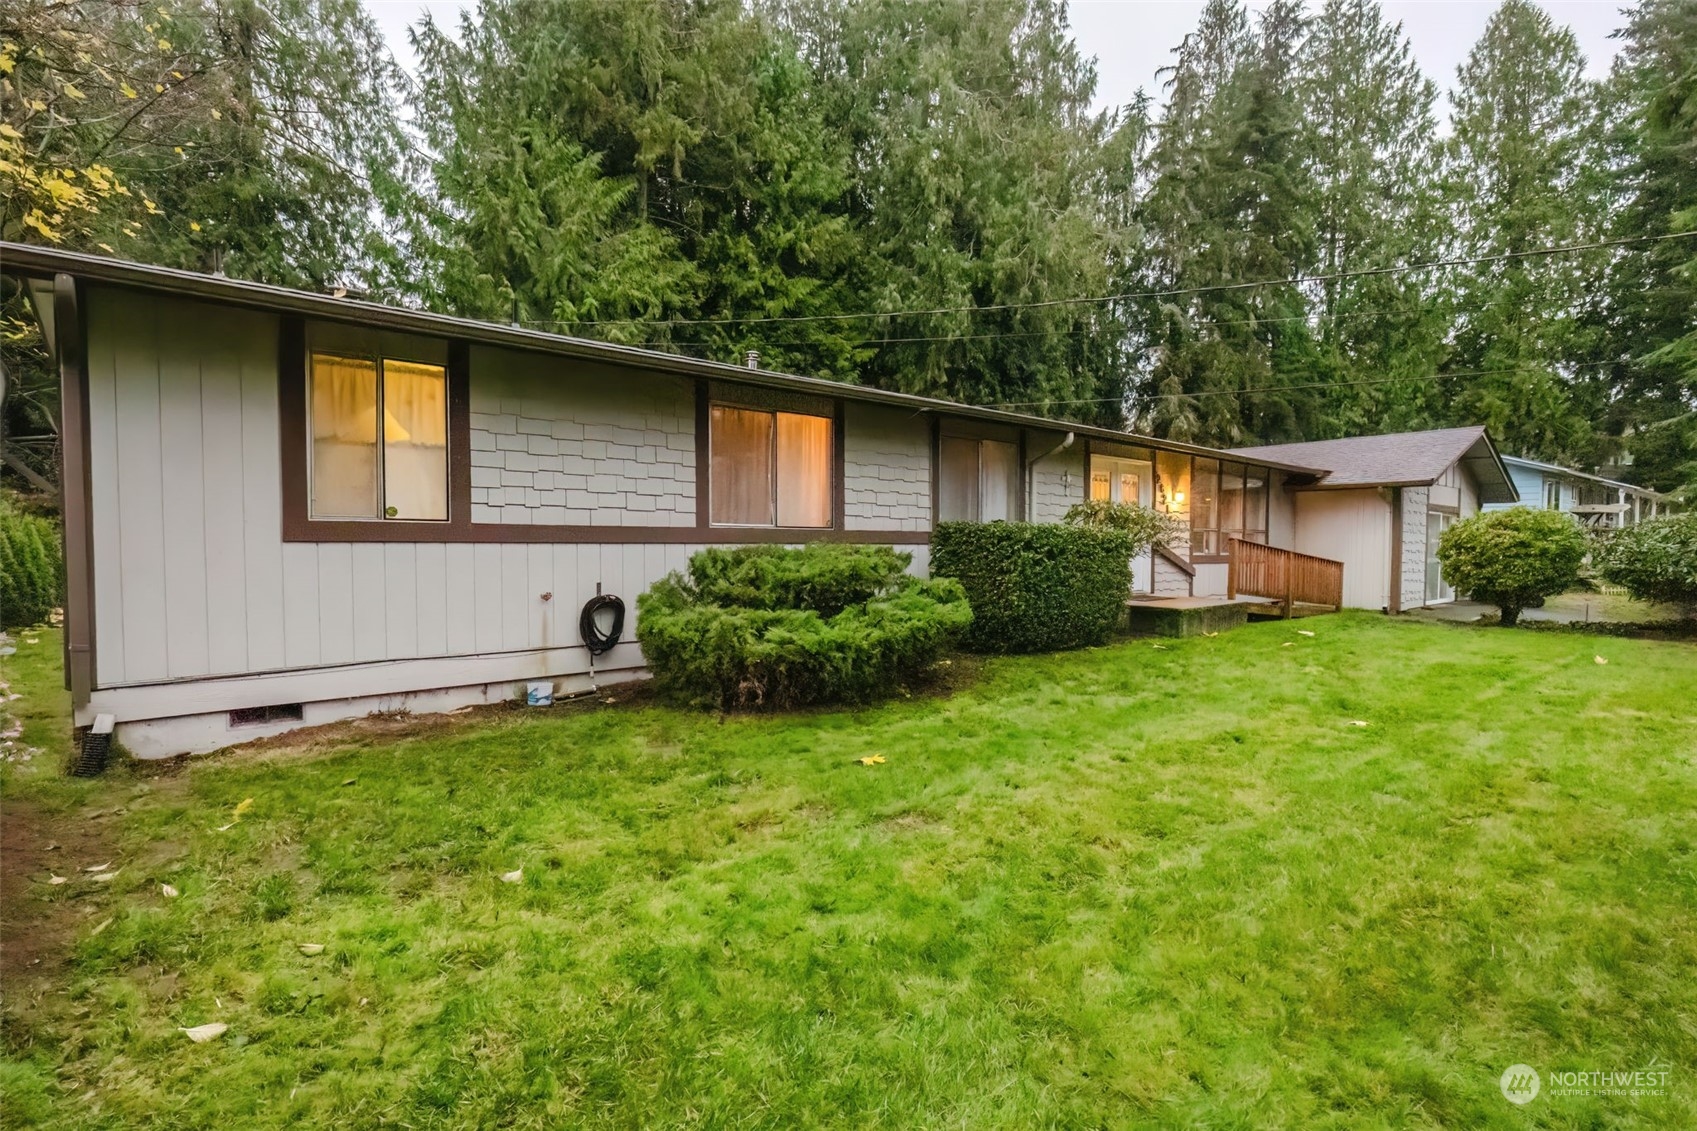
(1595, 501)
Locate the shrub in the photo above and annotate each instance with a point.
(1036, 588)
(1146, 526)
(31, 572)
(1512, 558)
(1655, 560)
(773, 627)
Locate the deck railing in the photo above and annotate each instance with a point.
(1255, 570)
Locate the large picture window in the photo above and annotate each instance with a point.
(1229, 500)
(770, 468)
(977, 481)
(359, 470)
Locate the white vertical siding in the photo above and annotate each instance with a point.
(1353, 527)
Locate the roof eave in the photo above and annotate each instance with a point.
(28, 261)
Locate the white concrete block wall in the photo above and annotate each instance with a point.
(886, 469)
(1414, 504)
(557, 443)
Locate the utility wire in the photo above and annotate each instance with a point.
(1176, 292)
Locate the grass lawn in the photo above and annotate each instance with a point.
(1140, 886)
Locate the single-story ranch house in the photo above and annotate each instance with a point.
(285, 508)
(1599, 503)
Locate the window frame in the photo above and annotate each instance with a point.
(381, 451)
(833, 466)
(295, 437)
(943, 429)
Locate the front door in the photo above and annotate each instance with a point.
(1131, 481)
(1437, 589)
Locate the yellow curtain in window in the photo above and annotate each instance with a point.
(804, 470)
(343, 408)
(415, 440)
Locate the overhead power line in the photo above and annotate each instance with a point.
(1126, 296)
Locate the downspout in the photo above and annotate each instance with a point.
(1030, 464)
(74, 494)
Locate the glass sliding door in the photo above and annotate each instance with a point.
(1437, 589)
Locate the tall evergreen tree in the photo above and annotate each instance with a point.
(1523, 130)
(1225, 209)
(1649, 319)
(1369, 138)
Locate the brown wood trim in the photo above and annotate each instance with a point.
(703, 452)
(76, 501)
(839, 466)
(1084, 450)
(1024, 514)
(937, 472)
(1173, 559)
(292, 438)
(1393, 599)
(323, 531)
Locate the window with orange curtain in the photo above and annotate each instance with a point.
(769, 468)
(357, 473)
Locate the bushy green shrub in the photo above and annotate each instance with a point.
(1146, 526)
(772, 627)
(1655, 560)
(1034, 587)
(1512, 558)
(31, 573)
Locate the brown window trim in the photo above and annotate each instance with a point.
(298, 526)
(707, 530)
(942, 429)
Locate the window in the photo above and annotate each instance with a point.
(977, 481)
(1552, 494)
(355, 473)
(1229, 500)
(769, 468)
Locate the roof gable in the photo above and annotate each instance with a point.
(1401, 459)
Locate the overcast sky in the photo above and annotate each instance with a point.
(1132, 39)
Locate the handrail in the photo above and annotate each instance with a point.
(1256, 570)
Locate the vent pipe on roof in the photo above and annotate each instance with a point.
(751, 359)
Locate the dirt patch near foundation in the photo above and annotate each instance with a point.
(38, 919)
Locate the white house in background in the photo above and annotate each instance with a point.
(1599, 503)
(1383, 503)
(285, 508)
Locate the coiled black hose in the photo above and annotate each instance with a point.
(599, 642)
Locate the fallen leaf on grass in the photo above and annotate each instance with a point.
(1303, 632)
(1159, 647)
(168, 891)
(871, 760)
(225, 828)
(104, 877)
(350, 781)
(311, 948)
(1210, 634)
(104, 923)
(1288, 644)
(200, 1034)
(98, 867)
(516, 876)
(1599, 659)
(56, 880)
(1356, 723)
(242, 808)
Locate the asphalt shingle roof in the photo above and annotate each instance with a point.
(1400, 459)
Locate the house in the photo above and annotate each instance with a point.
(1385, 501)
(285, 508)
(1599, 503)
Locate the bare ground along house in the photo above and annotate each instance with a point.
(285, 508)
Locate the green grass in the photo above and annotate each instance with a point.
(1137, 886)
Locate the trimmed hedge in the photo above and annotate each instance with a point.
(1656, 560)
(771, 627)
(1036, 587)
(32, 574)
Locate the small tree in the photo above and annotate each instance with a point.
(1655, 560)
(1512, 558)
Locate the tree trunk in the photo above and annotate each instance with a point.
(1511, 615)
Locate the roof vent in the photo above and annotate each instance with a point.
(751, 359)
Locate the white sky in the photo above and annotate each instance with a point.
(1132, 39)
